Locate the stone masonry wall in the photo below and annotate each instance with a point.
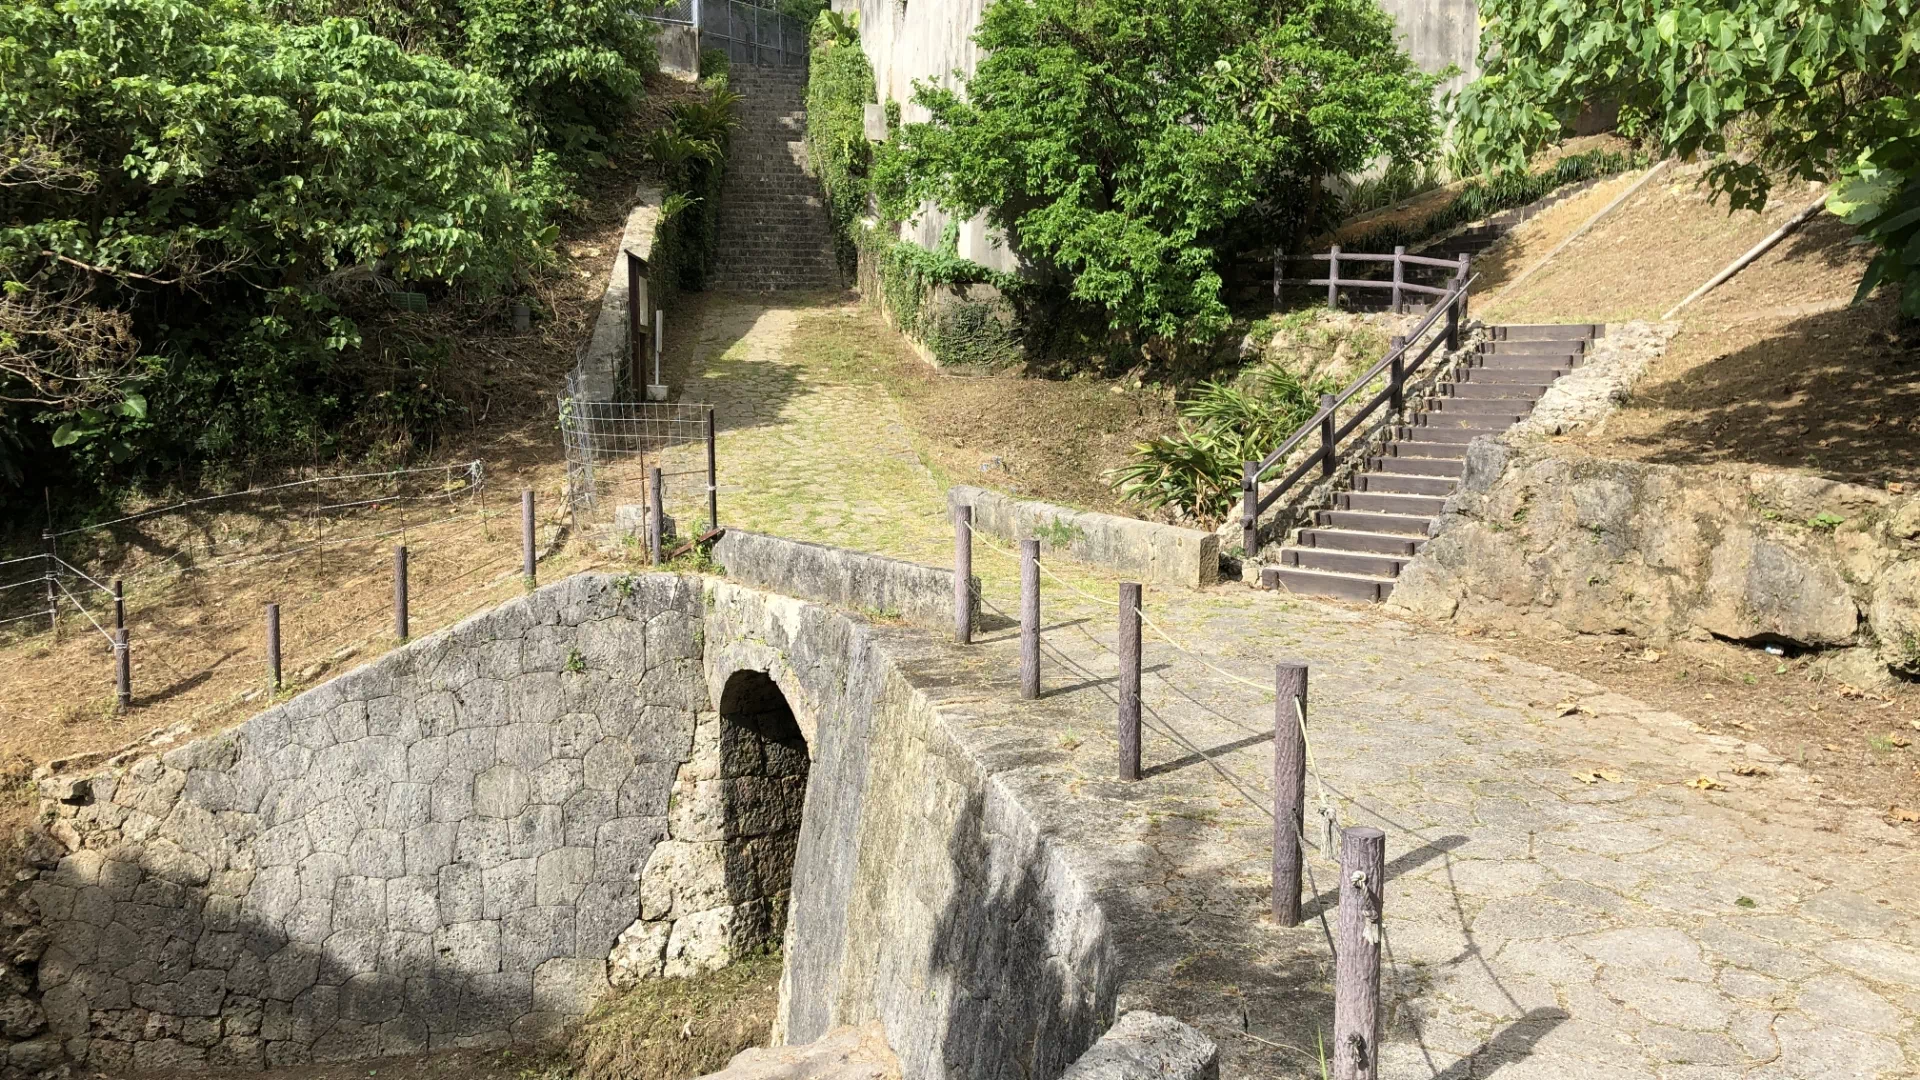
(466, 842)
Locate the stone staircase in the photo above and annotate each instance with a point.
(1356, 549)
(773, 233)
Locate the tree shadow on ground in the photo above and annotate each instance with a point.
(1836, 391)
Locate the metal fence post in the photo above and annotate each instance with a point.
(1399, 252)
(1129, 680)
(527, 567)
(1029, 619)
(1333, 279)
(1356, 979)
(1289, 788)
(713, 478)
(1327, 457)
(273, 647)
(400, 591)
(1249, 508)
(1398, 398)
(122, 668)
(656, 514)
(963, 574)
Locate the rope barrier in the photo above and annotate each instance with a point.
(84, 611)
(974, 531)
(76, 571)
(23, 558)
(472, 468)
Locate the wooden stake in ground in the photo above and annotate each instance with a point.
(1129, 680)
(963, 574)
(1356, 976)
(1289, 788)
(400, 591)
(527, 568)
(1029, 619)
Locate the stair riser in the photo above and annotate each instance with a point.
(1371, 543)
(1391, 524)
(1411, 448)
(1546, 331)
(1519, 360)
(1382, 503)
(1458, 407)
(1405, 483)
(1501, 420)
(1308, 583)
(1526, 392)
(1415, 466)
(1447, 434)
(1520, 376)
(1342, 562)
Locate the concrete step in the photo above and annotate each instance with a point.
(1551, 346)
(1464, 433)
(1343, 562)
(1388, 503)
(1526, 376)
(1303, 582)
(1546, 331)
(1404, 483)
(1373, 521)
(1453, 406)
(1528, 392)
(1418, 466)
(1501, 419)
(1423, 448)
(1356, 540)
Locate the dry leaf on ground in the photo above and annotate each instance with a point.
(1901, 813)
(1706, 783)
(1751, 770)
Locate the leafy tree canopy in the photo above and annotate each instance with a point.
(1120, 141)
(1817, 89)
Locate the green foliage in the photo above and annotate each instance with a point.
(238, 211)
(714, 64)
(1398, 182)
(1481, 197)
(839, 85)
(691, 152)
(1197, 471)
(1120, 142)
(1812, 89)
(573, 67)
(957, 330)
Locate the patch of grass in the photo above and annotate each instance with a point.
(667, 1029)
(576, 663)
(1058, 533)
(1825, 521)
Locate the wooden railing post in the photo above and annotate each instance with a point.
(1453, 324)
(656, 516)
(963, 574)
(1249, 508)
(1289, 789)
(1030, 619)
(1399, 253)
(1465, 266)
(1327, 452)
(1129, 680)
(1356, 979)
(1397, 399)
(1333, 279)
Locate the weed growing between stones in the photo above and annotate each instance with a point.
(664, 1029)
(576, 663)
(1058, 533)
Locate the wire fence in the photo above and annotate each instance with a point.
(612, 446)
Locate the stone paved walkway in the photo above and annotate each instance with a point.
(1538, 924)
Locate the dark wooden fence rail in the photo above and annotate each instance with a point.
(1404, 359)
(1399, 285)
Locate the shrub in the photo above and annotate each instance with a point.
(839, 86)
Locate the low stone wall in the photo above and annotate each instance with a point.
(1153, 553)
(1148, 1046)
(605, 353)
(871, 584)
(1562, 543)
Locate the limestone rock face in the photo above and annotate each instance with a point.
(1553, 542)
(845, 1053)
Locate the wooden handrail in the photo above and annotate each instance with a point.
(1417, 260)
(1454, 305)
(1371, 283)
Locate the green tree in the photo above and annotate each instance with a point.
(1814, 89)
(1120, 142)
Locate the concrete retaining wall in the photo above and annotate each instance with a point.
(1150, 552)
(606, 352)
(871, 584)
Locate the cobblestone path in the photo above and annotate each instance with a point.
(1562, 902)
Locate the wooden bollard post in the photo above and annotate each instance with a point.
(713, 477)
(963, 574)
(1030, 619)
(1129, 680)
(656, 515)
(1356, 979)
(119, 605)
(1289, 788)
(273, 647)
(122, 667)
(527, 567)
(1397, 377)
(400, 591)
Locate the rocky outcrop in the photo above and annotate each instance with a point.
(1613, 364)
(1550, 541)
(845, 1053)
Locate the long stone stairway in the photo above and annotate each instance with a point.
(1356, 549)
(773, 233)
